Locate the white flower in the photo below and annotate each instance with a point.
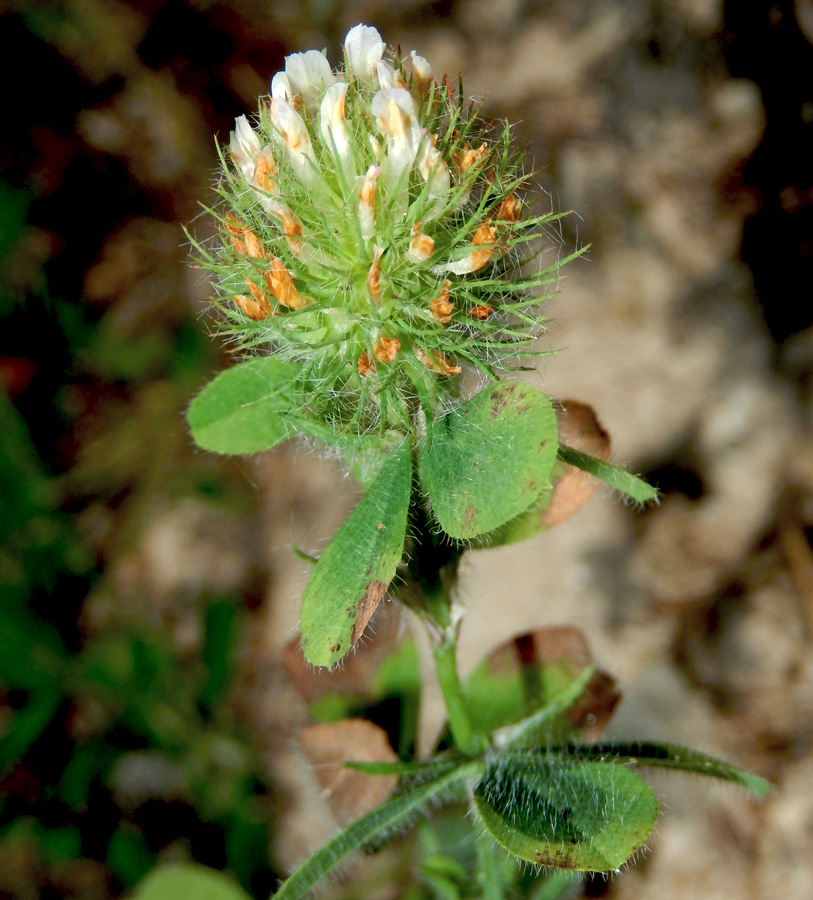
(334, 128)
(281, 88)
(436, 173)
(421, 70)
(364, 48)
(295, 138)
(396, 117)
(308, 75)
(244, 146)
(367, 202)
(386, 74)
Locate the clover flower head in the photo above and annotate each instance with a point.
(373, 234)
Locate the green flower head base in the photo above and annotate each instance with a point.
(371, 238)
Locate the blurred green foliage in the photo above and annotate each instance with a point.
(116, 748)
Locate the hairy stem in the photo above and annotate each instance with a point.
(466, 739)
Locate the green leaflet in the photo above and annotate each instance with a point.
(531, 521)
(528, 524)
(188, 880)
(490, 459)
(353, 574)
(618, 479)
(374, 825)
(570, 815)
(244, 409)
(671, 756)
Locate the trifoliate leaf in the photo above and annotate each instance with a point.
(354, 572)
(490, 459)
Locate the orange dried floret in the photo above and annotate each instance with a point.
(373, 276)
(282, 286)
(483, 243)
(365, 365)
(509, 209)
(250, 307)
(421, 247)
(441, 307)
(386, 349)
(437, 362)
(482, 311)
(465, 159)
(263, 172)
(243, 239)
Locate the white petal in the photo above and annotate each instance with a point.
(396, 117)
(333, 126)
(309, 74)
(281, 88)
(295, 138)
(421, 70)
(436, 173)
(244, 146)
(364, 48)
(386, 73)
(264, 180)
(367, 202)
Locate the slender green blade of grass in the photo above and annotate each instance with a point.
(373, 825)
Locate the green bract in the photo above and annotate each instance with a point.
(372, 230)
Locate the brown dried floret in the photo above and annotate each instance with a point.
(386, 349)
(282, 286)
(437, 362)
(482, 311)
(441, 307)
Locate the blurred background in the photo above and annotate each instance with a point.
(150, 591)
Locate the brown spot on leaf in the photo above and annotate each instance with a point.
(469, 515)
(503, 397)
(367, 606)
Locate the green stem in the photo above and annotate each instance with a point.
(466, 739)
(433, 565)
